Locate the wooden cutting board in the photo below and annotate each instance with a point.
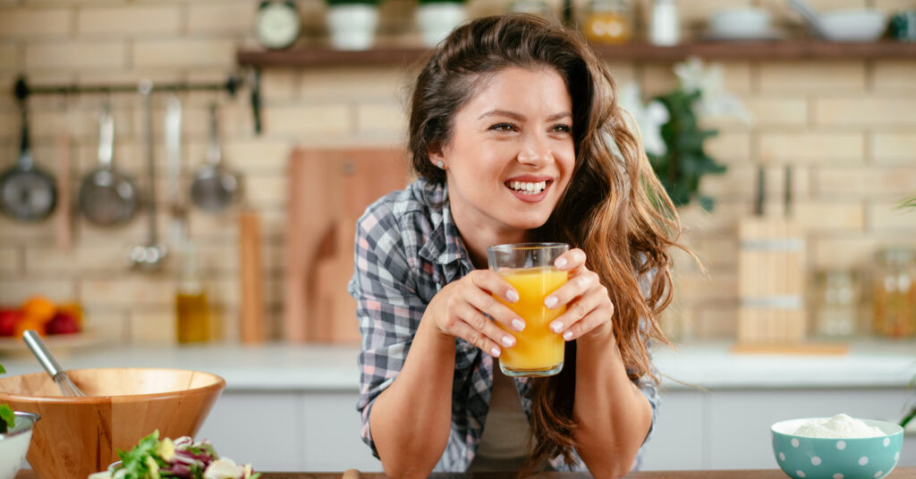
(329, 191)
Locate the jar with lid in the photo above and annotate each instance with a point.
(836, 303)
(608, 22)
(894, 288)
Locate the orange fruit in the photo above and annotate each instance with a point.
(39, 307)
(29, 322)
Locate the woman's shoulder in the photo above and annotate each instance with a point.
(410, 208)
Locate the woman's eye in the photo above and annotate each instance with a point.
(563, 128)
(503, 127)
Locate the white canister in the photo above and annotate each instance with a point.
(353, 26)
(665, 30)
(437, 20)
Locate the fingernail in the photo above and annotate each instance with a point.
(560, 262)
(495, 352)
(518, 324)
(551, 301)
(508, 341)
(567, 335)
(556, 326)
(512, 296)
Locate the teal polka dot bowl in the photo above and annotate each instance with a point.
(827, 458)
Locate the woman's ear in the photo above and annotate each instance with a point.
(436, 155)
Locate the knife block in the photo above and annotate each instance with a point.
(771, 282)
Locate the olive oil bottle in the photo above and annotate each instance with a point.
(191, 307)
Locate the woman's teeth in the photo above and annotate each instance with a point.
(528, 188)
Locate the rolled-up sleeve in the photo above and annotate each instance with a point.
(388, 308)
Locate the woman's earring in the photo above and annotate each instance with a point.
(441, 165)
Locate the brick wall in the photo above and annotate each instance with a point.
(847, 127)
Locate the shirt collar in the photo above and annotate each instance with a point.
(444, 245)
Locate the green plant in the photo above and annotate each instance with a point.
(352, 2)
(685, 162)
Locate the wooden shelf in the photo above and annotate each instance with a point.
(642, 52)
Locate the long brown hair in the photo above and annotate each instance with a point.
(614, 208)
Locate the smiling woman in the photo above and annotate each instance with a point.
(512, 132)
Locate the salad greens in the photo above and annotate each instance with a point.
(182, 458)
(7, 417)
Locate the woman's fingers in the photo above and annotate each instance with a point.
(570, 260)
(576, 286)
(474, 327)
(596, 300)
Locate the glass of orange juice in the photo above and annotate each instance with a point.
(529, 268)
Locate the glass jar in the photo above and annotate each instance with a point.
(191, 308)
(608, 22)
(836, 303)
(895, 292)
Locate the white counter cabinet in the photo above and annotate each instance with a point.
(292, 407)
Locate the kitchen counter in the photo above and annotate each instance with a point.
(898, 473)
(312, 367)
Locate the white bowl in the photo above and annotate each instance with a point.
(15, 444)
(740, 22)
(863, 25)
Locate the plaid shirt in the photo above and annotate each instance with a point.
(407, 249)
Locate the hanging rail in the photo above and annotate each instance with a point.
(22, 90)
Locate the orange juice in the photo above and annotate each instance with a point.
(538, 351)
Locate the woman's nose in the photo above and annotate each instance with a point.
(534, 151)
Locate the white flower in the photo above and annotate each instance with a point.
(714, 100)
(224, 469)
(649, 118)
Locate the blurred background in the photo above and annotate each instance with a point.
(795, 206)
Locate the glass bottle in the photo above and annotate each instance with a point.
(191, 308)
(836, 303)
(608, 21)
(895, 292)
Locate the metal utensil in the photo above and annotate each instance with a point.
(149, 257)
(27, 192)
(107, 197)
(809, 15)
(177, 205)
(215, 187)
(47, 360)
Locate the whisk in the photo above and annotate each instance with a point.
(41, 351)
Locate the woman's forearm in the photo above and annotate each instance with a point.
(410, 420)
(612, 415)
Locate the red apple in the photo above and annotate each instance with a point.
(63, 323)
(8, 319)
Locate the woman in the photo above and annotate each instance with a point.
(513, 133)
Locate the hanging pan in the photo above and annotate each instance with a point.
(215, 187)
(107, 197)
(27, 192)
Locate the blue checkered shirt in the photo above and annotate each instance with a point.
(407, 249)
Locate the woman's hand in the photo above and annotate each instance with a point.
(460, 307)
(588, 307)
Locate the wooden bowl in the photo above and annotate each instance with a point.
(79, 436)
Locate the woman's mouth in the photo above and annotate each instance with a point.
(527, 188)
(529, 191)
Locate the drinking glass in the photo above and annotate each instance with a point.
(529, 268)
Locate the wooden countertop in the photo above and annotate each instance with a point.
(899, 473)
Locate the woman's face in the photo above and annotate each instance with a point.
(511, 153)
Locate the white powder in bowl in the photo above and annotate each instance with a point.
(839, 426)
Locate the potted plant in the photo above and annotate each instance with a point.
(352, 23)
(15, 437)
(437, 18)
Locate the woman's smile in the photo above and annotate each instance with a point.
(529, 188)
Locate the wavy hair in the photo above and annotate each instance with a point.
(615, 208)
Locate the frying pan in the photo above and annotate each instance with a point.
(27, 192)
(107, 197)
(215, 187)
